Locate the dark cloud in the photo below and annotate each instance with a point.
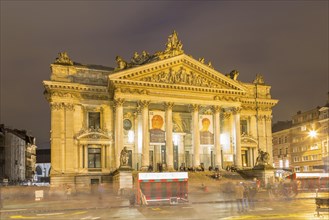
(286, 41)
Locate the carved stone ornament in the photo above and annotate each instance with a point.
(173, 48)
(118, 102)
(168, 105)
(63, 59)
(181, 77)
(143, 104)
(92, 133)
(259, 79)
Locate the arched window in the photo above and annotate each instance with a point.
(38, 170)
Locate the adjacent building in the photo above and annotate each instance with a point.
(17, 155)
(166, 109)
(301, 145)
(42, 166)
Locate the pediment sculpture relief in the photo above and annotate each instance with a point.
(183, 77)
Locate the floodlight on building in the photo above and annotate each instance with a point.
(312, 133)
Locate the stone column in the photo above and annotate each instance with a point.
(144, 105)
(80, 156)
(218, 157)
(169, 136)
(118, 130)
(268, 134)
(196, 135)
(86, 156)
(103, 156)
(238, 159)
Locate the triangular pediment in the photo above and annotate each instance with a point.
(181, 70)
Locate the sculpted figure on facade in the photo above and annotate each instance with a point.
(233, 74)
(263, 158)
(180, 77)
(121, 64)
(63, 59)
(259, 79)
(124, 157)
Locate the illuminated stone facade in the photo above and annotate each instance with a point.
(168, 109)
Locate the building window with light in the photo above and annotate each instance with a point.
(94, 120)
(297, 169)
(296, 159)
(281, 163)
(305, 158)
(94, 158)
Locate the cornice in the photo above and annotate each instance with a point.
(51, 85)
(122, 82)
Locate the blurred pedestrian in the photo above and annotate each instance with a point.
(239, 190)
(252, 195)
(100, 191)
(245, 199)
(68, 192)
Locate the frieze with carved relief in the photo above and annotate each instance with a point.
(182, 77)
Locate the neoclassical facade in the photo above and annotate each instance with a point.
(168, 109)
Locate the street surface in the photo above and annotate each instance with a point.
(287, 209)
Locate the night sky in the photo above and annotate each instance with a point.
(285, 41)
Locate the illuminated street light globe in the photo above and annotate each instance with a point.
(312, 134)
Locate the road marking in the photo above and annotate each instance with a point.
(58, 213)
(23, 217)
(156, 209)
(90, 217)
(12, 210)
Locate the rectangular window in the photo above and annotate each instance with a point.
(280, 151)
(304, 148)
(314, 157)
(94, 158)
(244, 126)
(295, 149)
(297, 169)
(281, 163)
(285, 139)
(94, 120)
(286, 150)
(305, 168)
(305, 158)
(296, 159)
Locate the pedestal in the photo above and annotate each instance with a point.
(265, 173)
(122, 180)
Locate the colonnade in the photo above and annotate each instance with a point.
(143, 106)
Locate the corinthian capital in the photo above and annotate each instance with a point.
(217, 108)
(69, 106)
(236, 110)
(143, 103)
(194, 107)
(56, 106)
(168, 105)
(118, 102)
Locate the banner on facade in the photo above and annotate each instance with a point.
(206, 126)
(157, 127)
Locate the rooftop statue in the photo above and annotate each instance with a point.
(63, 58)
(121, 64)
(259, 79)
(233, 74)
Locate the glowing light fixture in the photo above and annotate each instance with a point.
(312, 133)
